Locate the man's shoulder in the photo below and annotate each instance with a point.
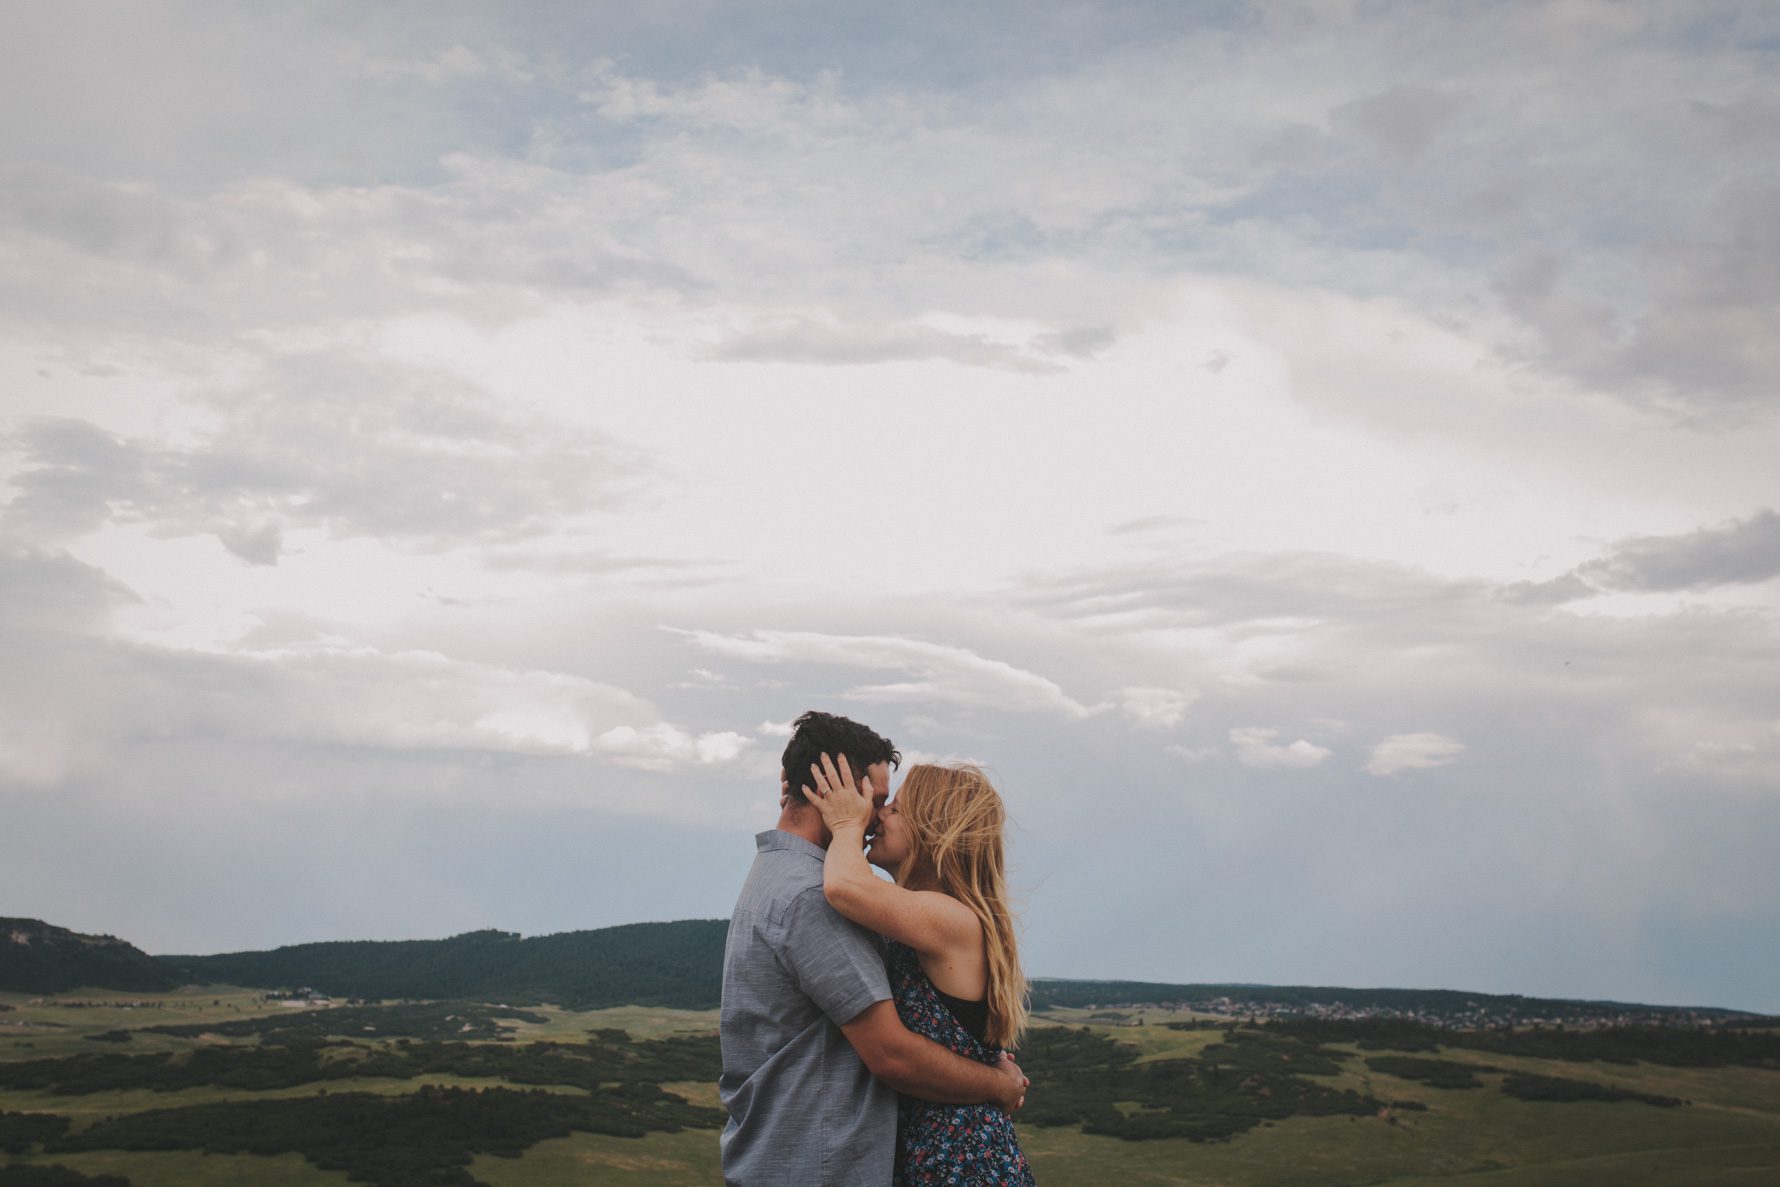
(776, 884)
(782, 873)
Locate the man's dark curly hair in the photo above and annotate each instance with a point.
(815, 734)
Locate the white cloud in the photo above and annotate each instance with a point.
(664, 747)
(104, 698)
(1412, 752)
(1156, 708)
(937, 672)
(800, 340)
(1735, 745)
(412, 700)
(704, 678)
(1255, 748)
(752, 101)
(455, 63)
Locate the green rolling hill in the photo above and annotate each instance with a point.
(37, 957)
(645, 964)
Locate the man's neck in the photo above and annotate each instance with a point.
(801, 820)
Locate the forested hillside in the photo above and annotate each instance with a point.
(36, 957)
(647, 964)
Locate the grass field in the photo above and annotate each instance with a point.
(1729, 1134)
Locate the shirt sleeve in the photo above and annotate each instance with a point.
(836, 962)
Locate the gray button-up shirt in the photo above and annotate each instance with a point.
(803, 1109)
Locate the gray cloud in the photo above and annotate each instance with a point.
(354, 447)
(1739, 553)
(57, 681)
(46, 588)
(1554, 592)
(751, 176)
(1234, 590)
(129, 223)
(1697, 348)
(486, 242)
(1404, 121)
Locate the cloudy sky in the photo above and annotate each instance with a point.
(1320, 455)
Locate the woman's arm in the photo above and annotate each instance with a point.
(931, 923)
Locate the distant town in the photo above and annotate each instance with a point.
(1445, 1009)
(1470, 1015)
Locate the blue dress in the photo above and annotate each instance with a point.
(947, 1145)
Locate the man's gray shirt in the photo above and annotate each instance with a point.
(803, 1109)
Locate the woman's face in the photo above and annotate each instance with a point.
(890, 844)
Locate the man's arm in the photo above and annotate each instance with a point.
(922, 1068)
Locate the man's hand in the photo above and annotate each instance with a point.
(1017, 1083)
(919, 1067)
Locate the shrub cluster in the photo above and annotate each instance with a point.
(1249, 1078)
(419, 1020)
(20, 1131)
(604, 1058)
(19, 1174)
(425, 1139)
(1435, 1073)
(1528, 1086)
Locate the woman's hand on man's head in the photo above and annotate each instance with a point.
(833, 792)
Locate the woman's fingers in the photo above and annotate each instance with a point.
(832, 791)
(841, 778)
(834, 776)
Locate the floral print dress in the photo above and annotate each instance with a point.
(948, 1145)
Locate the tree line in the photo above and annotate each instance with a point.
(1668, 1046)
(645, 964)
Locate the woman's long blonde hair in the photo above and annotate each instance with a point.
(955, 822)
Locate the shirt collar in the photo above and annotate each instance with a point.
(778, 838)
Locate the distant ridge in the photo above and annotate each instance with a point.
(37, 957)
(645, 964)
(677, 965)
(1050, 994)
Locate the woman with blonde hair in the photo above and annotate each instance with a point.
(954, 964)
